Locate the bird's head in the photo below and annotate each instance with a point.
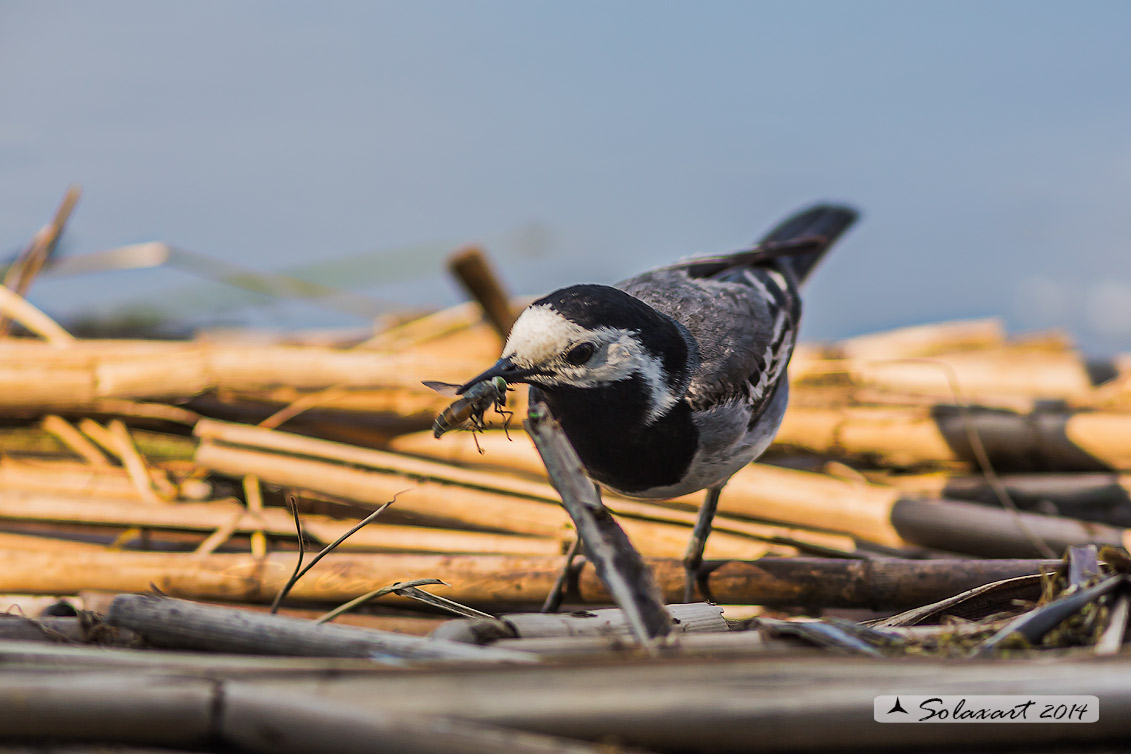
(589, 337)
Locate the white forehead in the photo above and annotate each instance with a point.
(540, 333)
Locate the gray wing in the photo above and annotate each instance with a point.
(744, 321)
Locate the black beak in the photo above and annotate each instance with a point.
(504, 368)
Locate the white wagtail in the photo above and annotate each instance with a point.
(673, 380)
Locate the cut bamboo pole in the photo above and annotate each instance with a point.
(205, 517)
(925, 340)
(257, 437)
(1019, 368)
(36, 375)
(66, 478)
(15, 308)
(75, 440)
(918, 436)
(885, 515)
(498, 580)
(179, 624)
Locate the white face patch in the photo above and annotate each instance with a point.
(541, 337)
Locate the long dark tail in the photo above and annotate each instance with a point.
(822, 224)
(797, 244)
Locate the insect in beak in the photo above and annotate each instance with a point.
(504, 368)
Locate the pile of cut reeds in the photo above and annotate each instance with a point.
(959, 492)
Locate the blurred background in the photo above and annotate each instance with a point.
(355, 144)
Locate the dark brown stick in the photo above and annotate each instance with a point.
(471, 268)
(20, 275)
(616, 561)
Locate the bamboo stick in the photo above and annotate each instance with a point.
(23, 272)
(35, 375)
(1012, 369)
(917, 436)
(15, 308)
(74, 440)
(211, 516)
(1101, 497)
(497, 580)
(66, 478)
(257, 437)
(925, 340)
(450, 503)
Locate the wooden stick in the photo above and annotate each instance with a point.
(75, 440)
(15, 308)
(618, 564)
(18, 505)
(692, 617)
(254, 496)
(178, 624)
(451, 503)
(498, 580)
(20, 275)
(140, 473)
(471, 268)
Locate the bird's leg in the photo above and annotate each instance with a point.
(554, 599)
(693, 558)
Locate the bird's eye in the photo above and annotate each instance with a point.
(580, 354)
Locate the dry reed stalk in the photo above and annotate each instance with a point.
(27, 266)
(415, 332)
(212, 516)
(10, 541)
(254, 497)
(925, 340)
(1011, 370)
(35, 375)
(486, 580)
(917, 436)
(65, 477)
(446, 502)
(220, 536)
(15, 308)
(75, 440)
(472, 269)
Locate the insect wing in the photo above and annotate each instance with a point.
(443, 388)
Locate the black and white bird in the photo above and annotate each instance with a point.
(671, 381)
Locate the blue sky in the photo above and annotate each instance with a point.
(987, 143)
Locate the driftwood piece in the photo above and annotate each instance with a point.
(499, 580)
(472, 269)
(686, 618)
(617, 563)
(178, 624)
